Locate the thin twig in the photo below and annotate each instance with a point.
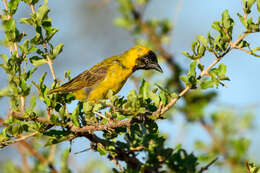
(205, 168)
(15, 45)
(49, 60)
(22, 138)
(102, 116)
(50, 63)
(25, 164)
(247, 166)
(52, 153)
(239, 40)
(245, 50)
(83, 151)
(22, 104)
(173, 101)
(5, 4)
(40, 157)
(32, 7)
(213, 136)
(204, 72)
(121, 154)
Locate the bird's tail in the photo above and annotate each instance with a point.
(55, 90)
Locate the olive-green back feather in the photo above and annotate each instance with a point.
(88, 78)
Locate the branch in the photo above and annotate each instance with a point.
(22, 138)
(129, 158)
(77, 130)
(89, 128)
(50, 63)
(49, 60)
(32, 118)
(22, 98)
(213, 136)
(26, 167)
(205, 168)
(100, 127)
(42, 159)
(204, 73)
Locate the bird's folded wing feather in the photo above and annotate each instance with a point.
(86, 79)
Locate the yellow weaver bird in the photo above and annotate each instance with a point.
(110, 74)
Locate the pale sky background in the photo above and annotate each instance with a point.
(90, 36)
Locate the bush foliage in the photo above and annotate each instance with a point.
(124, 129)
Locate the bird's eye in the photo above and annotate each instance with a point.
(146, 61)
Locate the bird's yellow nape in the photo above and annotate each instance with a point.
(130, 56)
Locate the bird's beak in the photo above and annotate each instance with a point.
(157, 67)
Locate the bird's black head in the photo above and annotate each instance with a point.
(148, 62)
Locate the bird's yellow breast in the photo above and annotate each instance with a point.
(115, 79)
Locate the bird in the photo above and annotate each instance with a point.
(110, 74)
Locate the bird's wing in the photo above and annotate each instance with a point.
(86, 79)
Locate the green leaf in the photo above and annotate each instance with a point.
(75, 117)
(243, 44)
(97, 107)
(57, 50)
(192, 71)
(226, 20)
(4, 92)
(242, 20)
(13, 5)
(64, 161)
(144, 90)
(56, 137)
(30, 2)
(9, 25)
(26, 48)
(194, 46)
(101, 149)
(33, 102)
(201, 67)
(253, 168)
(250, 3)
(222, 69)
(25, 88)
(256, 49)
(203, 40)
(154, 97)
(42, 78)
(51, 33)
(4, 57)
(185, 53)
(207, 84)
(28, 21)
(141, 2)
(258, 5)
(87, 107)
(216, 26)
(42, 13)
(37, 39)
(123, 22)
(192, 75)
(201, 51)
(184, 79)
(37, 61)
